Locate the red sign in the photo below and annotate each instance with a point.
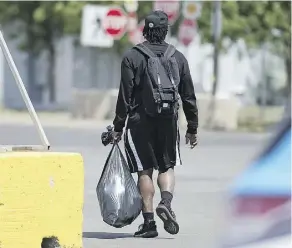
(187, 31)
(115, 23)
(170, 7)
(137, 35)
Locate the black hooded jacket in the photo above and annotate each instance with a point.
(132, 67)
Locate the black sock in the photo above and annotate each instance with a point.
(148, 217)
(166, 197)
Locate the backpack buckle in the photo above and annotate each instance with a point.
(159, 109)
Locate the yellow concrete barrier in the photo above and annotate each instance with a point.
(41, 195)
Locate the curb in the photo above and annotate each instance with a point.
(52, 120)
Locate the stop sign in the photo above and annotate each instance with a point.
(187, 31)
(170, 7)
(115, 23)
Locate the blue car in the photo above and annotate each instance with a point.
(259, 214)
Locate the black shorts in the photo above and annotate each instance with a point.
(152, 143)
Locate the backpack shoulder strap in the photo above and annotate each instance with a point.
(169, 51)
(145, 50)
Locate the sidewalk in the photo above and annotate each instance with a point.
(64, 120)
(52, 119)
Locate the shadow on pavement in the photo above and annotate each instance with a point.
(105, 235)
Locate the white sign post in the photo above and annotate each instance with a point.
(192, 9)
(137, 35)
(132, 22)
(92, 31)
(27, 101)
(187, 31)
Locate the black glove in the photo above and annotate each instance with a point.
(192, 139)
(110, 136)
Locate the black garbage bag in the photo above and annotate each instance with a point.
(118, 195)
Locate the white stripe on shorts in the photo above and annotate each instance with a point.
(134, 151)
(178, 158)
(178, 161)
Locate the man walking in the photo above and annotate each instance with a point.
(153, 77)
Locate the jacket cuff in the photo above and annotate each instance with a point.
(192, 130)
(118, 129)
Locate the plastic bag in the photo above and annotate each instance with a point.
(118, 195)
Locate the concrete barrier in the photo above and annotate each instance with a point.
(225, 113)
(41, 195)
(104, 102)
(88, 104)
(85, 103)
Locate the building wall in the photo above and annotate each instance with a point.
(85, 68)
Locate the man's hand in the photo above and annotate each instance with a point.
(192, 139)
(117, 136)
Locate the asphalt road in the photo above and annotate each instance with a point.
(201, 181)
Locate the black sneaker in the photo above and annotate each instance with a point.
(147, 230)
(166, 214)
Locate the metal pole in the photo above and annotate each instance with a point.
(216, 34)
(217, 27)
(23, 92)
(263, 88)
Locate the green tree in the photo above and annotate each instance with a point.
(257, 22)
(42, 23)
(55, 19)
(10, 12)
(273, 25)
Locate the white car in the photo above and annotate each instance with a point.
(259, 207)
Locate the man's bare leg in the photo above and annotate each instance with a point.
(166, 183)
(147, 190)
(166, 180)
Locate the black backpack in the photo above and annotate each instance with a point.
(160, 84)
